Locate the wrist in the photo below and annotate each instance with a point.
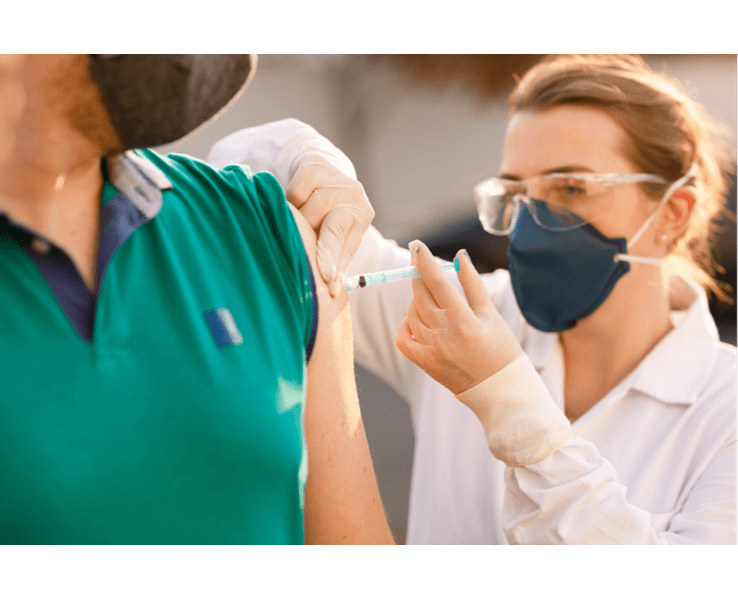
(522, 423)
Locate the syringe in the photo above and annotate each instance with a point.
(360, 281)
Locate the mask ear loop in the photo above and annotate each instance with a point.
(672, 188)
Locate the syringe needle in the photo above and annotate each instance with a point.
(360, 281)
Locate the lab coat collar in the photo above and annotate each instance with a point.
(680, 366)
(538, 346)
(669, 373)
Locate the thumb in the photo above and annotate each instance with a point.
(474, 289)
(350, 246)
(333, 233)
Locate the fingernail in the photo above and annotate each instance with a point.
(415, 247)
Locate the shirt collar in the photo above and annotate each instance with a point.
(139, 180)
(680, 366)
(538, 346)
(669, 373)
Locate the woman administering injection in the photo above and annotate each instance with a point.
(602, 403)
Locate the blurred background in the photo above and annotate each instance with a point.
(422, 130)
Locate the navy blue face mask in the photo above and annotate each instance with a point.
(562, 274)
(559, 277)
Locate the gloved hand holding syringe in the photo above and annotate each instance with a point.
(360, 281)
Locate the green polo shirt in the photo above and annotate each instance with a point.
(178, 418)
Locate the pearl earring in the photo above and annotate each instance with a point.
(664, 237)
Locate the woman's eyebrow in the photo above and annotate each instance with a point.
(568, 169)
(562, 169)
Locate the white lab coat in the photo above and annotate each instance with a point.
(654, 462)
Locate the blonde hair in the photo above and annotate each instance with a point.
(668, 132)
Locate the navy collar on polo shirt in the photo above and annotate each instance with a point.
(136, 188)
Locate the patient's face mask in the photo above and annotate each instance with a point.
(156, 99)
(561, 267)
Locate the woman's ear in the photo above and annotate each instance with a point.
(675, 215)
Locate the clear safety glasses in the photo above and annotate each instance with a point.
(557, 201)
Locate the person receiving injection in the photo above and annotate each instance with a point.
(582, 396)
(163, 382)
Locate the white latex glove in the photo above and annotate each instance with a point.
(466, 346)
(337, 208)
(318, 179)
(459, 342)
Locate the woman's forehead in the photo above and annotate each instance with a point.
(561, 137)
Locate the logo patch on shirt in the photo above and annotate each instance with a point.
(223, 327)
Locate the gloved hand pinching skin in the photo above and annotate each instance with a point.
(339, 211)
(319, 180)
(459, 342)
